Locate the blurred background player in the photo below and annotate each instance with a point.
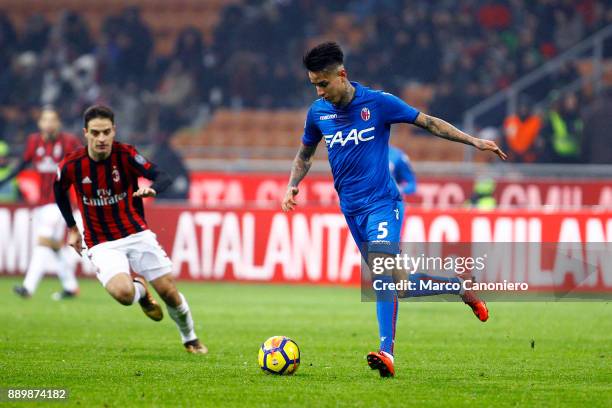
(9, 193)
(355, 122)
(482, 195)
(401, 171)
(44, 150)
(105, 176)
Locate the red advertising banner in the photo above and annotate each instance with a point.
(239, 190)
(313, 245)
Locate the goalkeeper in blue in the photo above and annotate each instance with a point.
(354, 121)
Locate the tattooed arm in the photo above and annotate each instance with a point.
(299, 169)
(447, 131)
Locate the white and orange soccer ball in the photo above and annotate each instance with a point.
(279, 355)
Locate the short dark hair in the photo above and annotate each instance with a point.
(98, 111)
(323, 56)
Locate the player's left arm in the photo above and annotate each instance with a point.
(143, 167)
(303, 160)
(299, 169)
(161, 181)
(445, 130)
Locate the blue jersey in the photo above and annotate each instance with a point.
(401, 170)
(357, 140)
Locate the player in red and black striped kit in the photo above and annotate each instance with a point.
(103, 188)
(105, 176)
(44, 150)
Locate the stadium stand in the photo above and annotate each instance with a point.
(218, 69)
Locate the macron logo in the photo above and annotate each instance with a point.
(86, 180)
(328, 117)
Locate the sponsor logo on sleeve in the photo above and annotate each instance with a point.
(140, 160)
(328, 117)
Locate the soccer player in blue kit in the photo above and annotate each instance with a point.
(401, 171)
(355, 122)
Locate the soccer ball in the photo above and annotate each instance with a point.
(279, 355)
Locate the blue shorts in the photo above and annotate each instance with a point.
(378, 230)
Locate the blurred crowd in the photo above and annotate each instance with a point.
(465, 50)
(63, 65)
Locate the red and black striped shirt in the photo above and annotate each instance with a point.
(104, 191)
(44, 155)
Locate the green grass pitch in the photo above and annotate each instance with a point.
(111, 355)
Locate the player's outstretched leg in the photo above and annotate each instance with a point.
(478, 306)
(128, 291)
(469, 297)
(179, 311)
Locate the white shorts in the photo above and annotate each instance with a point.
(139, 251)
(49, 223)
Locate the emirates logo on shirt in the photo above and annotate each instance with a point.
(104, 197)
(365, 114)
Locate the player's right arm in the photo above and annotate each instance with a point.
(299, 169)
(61, 186)
(303, 161)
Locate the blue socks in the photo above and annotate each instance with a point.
(386, 312)
(387, 302)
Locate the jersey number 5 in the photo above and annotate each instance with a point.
(382, 230)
